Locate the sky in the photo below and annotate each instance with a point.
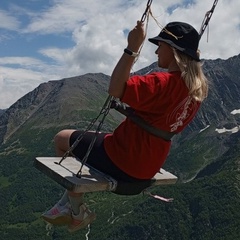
(43, 40)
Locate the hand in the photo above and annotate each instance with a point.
(136, 37)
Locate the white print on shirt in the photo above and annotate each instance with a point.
(181, 113)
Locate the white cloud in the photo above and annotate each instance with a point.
(7, 21)
(66, 15)
(99, 31)
(22, 61)
(16, 82)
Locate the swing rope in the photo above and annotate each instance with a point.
(104, 112)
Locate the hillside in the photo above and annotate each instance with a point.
(205, 156)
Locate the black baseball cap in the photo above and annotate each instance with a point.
(181, 36)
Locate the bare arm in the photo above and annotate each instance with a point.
(122, 70)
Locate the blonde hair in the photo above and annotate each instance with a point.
(193, 75)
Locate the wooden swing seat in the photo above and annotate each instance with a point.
(91, 180)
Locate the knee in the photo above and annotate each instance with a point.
(61, 139)
(58, 137)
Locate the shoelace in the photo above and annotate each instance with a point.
(54, 211)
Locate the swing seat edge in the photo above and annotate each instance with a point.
(66, 175)
(91, 180)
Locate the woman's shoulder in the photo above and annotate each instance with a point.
(165, 78)
(167, 75)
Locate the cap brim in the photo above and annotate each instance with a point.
(154, 40)
(158, 39)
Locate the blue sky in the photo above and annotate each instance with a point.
(43, 40)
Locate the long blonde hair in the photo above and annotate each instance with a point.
(193, 75)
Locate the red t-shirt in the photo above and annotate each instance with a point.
(162, 100)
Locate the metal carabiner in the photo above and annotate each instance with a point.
(144, 16)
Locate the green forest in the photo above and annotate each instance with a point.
(204, 208)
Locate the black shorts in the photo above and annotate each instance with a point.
(99, 160)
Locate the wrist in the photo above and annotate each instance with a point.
(131, 53)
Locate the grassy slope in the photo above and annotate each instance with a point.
(205, 208)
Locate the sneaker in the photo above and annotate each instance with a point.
(82, 220)
(58, 215)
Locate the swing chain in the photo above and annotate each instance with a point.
(104, 111)
(145, 14)
(207, 18)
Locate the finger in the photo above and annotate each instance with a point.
(140, 23)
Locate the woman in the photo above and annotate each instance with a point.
(166, 100)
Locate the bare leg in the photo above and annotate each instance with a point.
(61, 141)
(81, 215)
(71, 209)
(76, 200)
(78, 215)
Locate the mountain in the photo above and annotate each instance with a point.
(1, 111)
(205, 157)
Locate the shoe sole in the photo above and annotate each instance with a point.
(84, 224)
(60, 220)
